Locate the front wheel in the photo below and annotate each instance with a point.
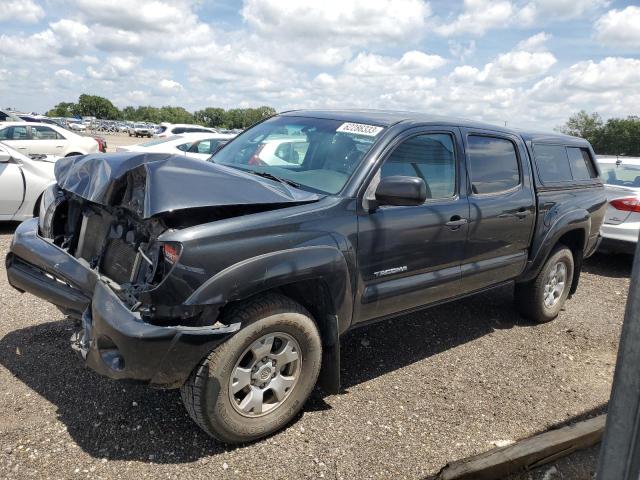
(542, 298)
(258, 380)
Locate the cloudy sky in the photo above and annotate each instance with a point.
(524, 62)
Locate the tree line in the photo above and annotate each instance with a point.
(104, 109)
(616, 136)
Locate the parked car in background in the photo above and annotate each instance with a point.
(8, 116)
(141, 130)
(235, 282)
(22, 181)
(280, 151)
(78, 127)
(36, 119)
(621, 177)
(40, 138)
(194, 145)
(169, 129)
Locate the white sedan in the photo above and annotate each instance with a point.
(194, 145)
(22, 181)
(44, 138)
(621, 227)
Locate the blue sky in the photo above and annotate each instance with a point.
(523, 62)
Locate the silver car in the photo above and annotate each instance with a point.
(621, 227)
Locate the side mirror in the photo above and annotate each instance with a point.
(403, 191)
(4, 157)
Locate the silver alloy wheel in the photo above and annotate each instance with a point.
(556, 281)
(265, 374)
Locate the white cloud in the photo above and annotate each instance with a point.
(527, 61)
(169, 86)
(478, 17)
(26, 11)
(619, 28)
(114, 68)
(357, 21)
(411, 62)
(539, 11)
(535, 43)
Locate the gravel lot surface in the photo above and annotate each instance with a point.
(420, 391)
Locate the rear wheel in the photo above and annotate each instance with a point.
(258, 380)
(542, 298)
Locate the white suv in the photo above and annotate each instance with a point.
(42, 138)
(170, 129)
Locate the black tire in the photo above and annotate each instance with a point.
(206, 394)
(530, 296)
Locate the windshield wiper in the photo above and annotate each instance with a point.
(271, 176)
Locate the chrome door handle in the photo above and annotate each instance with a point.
(457, 223)
(522, 214)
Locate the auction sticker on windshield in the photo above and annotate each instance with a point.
(360, 129)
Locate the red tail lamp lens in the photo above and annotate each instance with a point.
(627, 204)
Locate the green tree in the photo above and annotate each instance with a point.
(618, 136)
(95, 106)
(63, 109)
(210, 117)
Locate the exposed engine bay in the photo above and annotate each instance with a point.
(111, 240)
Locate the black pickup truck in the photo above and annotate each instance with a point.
(234, 279)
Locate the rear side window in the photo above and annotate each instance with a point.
(552, 163)
(580, 162)
(557, 163)
(493, 164)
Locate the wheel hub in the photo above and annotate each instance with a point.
(265, 374)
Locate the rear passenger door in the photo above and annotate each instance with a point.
(45, 140)
(502, 208)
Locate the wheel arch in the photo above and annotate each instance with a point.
(571, 230)
(317, 277)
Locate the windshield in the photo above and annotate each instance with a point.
(318, 154)
(621, 175)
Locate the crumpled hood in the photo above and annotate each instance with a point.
(149, 184)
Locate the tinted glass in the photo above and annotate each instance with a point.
(621, 175)
(493, 164)
(429, 157)
(552, 163)
(328, 151)
(580, 161)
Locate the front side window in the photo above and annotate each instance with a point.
(13, 133)
(580, 162)
(493, 164)
(429, 157)
(327, 151)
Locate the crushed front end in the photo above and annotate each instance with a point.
(106, 267)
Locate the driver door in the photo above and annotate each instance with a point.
(410, 256)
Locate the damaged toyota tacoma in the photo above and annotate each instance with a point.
(234, 279)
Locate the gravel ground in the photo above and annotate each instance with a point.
(420, 391)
